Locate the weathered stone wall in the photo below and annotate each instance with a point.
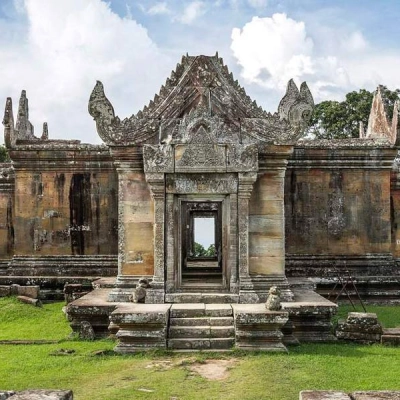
(395, 209)
(137, 237)
(6, 212)
(337, 204)
(66, 200)
(266, 225)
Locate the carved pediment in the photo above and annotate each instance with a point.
(202, 89)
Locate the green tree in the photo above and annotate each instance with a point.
(335, 120)
(211, 252)
(199, 250)
(4, 157)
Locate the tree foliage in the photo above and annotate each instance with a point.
(336, 120)
(200, 251)
(4, 157)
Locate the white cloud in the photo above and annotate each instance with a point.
(159, 8)
(69, 44)
(272, 50)
(258, 3)
(192, 11)
(354, 42)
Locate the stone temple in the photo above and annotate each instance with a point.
(283, 214)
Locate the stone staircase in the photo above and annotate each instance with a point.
(201, 327)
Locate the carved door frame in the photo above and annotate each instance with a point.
(176, 264)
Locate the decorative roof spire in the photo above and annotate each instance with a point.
(45, 133)
(378, 122)
(8, 122)
(23, 126)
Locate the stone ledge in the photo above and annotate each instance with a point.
(37, 395)
(357, 395)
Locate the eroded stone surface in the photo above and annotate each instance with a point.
(323, 395)
(376, 395)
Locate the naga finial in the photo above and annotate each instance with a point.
(296, 107)
(102, 111)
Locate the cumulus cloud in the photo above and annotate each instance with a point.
(159, 8)
(61, 49)
(192, 11)
(274, 49)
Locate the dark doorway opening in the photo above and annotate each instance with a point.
(201, 244)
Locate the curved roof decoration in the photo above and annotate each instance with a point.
(201, 90)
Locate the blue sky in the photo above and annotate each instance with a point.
(56, 49)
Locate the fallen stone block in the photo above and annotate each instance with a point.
(5, 291)
(74, 291)
(362, 318)
(43, 395)
(4, 395)
(14, 289)
(344, 326)
(86, 331)
(360, 327)
(29, 300)
(323, 395)
(390, 340)
(358, 336)
(376, 395)
(28, 291)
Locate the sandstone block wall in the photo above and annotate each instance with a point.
(66, 201)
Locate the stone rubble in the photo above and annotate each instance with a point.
(360, 328)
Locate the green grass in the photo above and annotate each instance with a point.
(168, 375)
(22, 321)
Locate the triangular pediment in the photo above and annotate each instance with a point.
(202, 88)
(199, 78)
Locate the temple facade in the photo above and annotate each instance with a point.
(279, 208)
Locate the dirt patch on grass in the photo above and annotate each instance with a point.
(214, 370)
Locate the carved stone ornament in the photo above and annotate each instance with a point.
(23, 129)
(242, 158)
(202, 183)
(201, 88)
(158, 158)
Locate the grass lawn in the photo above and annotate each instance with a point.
(163, 375)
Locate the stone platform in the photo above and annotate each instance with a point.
(204, 326)
(358, 395)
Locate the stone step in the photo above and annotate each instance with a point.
(201, 344)
(202, 321)
(201, 332)
(208, 298)
(391, 337)
(200, 310)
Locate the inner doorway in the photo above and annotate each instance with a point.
(201, 258)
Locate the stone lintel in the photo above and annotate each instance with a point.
(333, 155)
(127, 158)
(71, 156)
(274, 157)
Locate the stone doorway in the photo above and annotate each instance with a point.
(201, 247)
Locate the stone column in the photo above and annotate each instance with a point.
(170, 243)
(246, 181)
(233, 244)
(157, 186)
